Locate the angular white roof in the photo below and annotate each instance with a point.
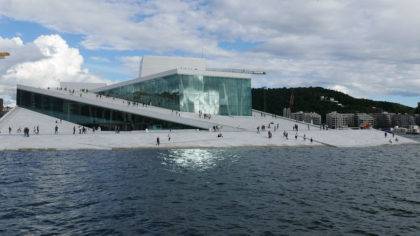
(150, 65)
(177, 71)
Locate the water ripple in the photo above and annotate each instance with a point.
(250, 191)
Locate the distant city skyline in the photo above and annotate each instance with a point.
(365, 49)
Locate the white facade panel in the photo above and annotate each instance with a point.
(150, 65)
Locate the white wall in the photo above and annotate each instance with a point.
(155, 64)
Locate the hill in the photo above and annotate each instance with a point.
(273, 100)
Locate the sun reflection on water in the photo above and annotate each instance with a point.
(199, 159)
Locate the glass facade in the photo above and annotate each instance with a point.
(89, 115)
(191, 93)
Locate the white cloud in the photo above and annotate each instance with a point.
(131, 64)
(370, 48)
(156, 25)
(42, 63)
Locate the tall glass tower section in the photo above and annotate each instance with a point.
(212, 94)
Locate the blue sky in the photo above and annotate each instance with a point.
(365, 49)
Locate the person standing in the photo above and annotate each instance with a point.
(56, 129)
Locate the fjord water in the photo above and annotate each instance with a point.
(212, 191)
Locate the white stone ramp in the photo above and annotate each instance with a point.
(129, 107)
(21, 118)
(229, 123)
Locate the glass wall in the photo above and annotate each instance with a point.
(89, 115)
(191, 93)
(161, 92)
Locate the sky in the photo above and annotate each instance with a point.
(367, 49)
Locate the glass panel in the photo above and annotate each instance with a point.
(191, 93)
(88, 115)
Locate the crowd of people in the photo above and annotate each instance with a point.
(204, 115)
(275, 127)
(25, 130)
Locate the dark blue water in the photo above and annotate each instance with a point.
(212, 191)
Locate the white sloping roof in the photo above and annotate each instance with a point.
(79, 85)
(176, 71)
(20, 118)
(150, 65)
(122, 105)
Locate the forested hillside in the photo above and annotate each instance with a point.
(273, 100)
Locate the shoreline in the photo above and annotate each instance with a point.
(191, 147)
(194, 139)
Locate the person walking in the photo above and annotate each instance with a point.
(10, 130)
(56, 129)
(74, 130)
(157, 141)
(26, 132)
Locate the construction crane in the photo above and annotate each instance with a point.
(4, 55)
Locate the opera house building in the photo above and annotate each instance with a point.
(169, 93)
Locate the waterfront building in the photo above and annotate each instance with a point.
(335, 120)
(287, 112)
(349, 120)
(297, 115)
(308, 117)
(172, 84)
(403, 120)
(417, 119)
(186, 87)
(382, 120)
(363, 120)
